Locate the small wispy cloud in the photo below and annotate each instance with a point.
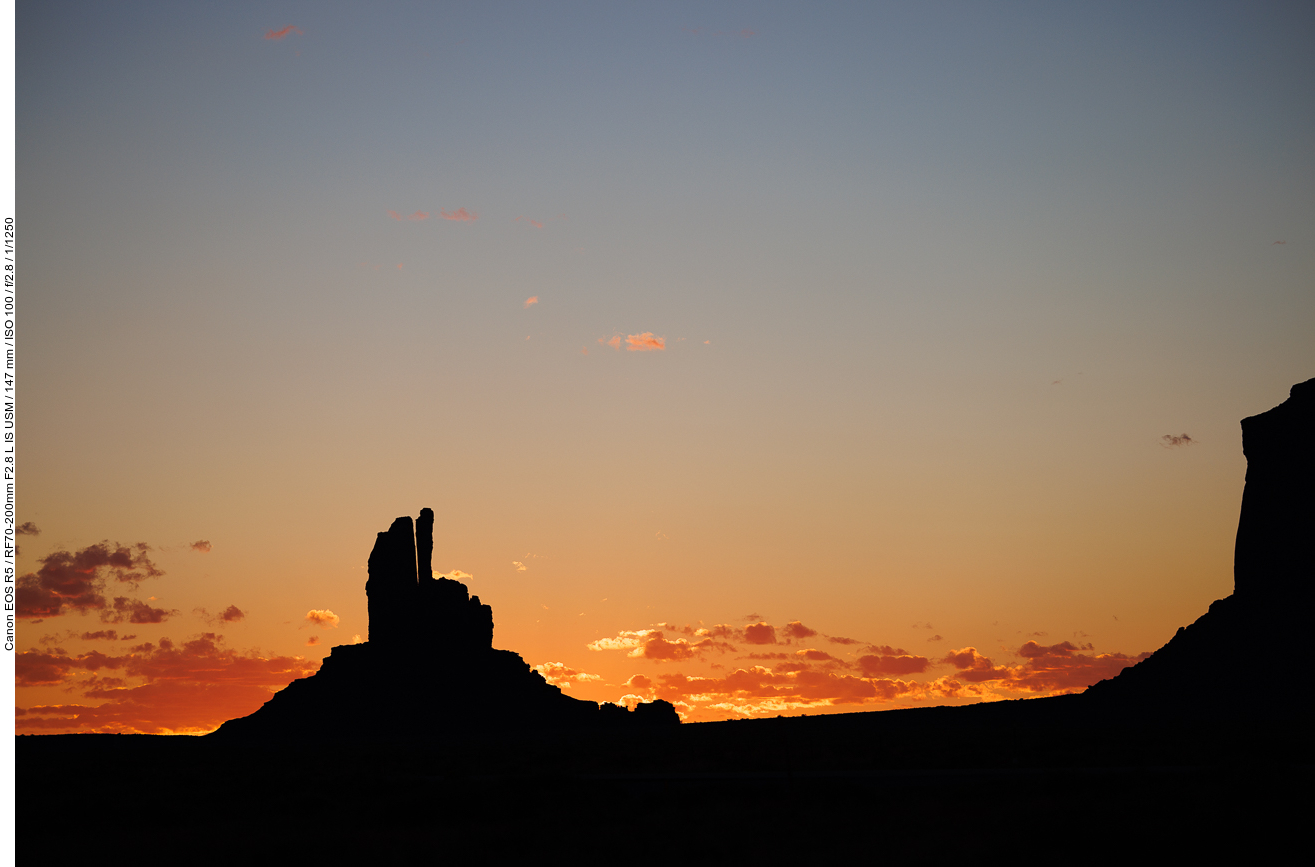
(1278, 242)
(644, 342)
(536, 224)
(419, 215)
(395, 215)
(533, 299)
(201, 545)
(279, 34)
(520, 567)
(614, 341)
(312, 641)
(322, 617)
(27, 528)
(460, 215)
(1170, 441)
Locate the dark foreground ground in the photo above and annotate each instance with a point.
(1017, 781)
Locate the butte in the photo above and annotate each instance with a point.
(429, 665)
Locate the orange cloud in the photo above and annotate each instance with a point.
(614, 341)
(279, 34)
(232, 614)
(188, 689)
(760, 633)
(76, 581)
(134, 611)
(322, 617)
(795, 629)
(892, 661)
(201, 545)
(533, 299)
(419, 215)
(560, 675)
(460, 214)
(312, 641)
(644, 342)
(653, 644)
(536, 224)
(395, 215)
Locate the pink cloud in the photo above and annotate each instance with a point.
(460, 215)
(614, 341)
(536, 224)
(395, 215)
(419, 215)
(533, 299)
(279, 34)
(644, 342)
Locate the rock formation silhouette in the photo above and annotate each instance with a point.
(429, 664)
(1236, 660)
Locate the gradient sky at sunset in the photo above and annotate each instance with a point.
(712, 333)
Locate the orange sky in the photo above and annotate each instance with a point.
(760, 358)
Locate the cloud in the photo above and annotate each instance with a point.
(76, 581)
(279, 34)
(614, 341)
(1057, 668)
(455, 575)
(560, 675)
(395, 215)
(795, 629)
(419, 215)
(536, 224)
(27, 528)
(134, 611)
(644, 342)
(312, 641)
(840, 639)
(190, 688)
(653, 644)
(520, 567)
(893, 661)
(201, 545)
(1169, 440)
(639, 681)
(760, 633)
(105, 635)
(460, 215)
(1278, 242)
(533, 299)
(231, 614)
(936, 637)
(322, 617)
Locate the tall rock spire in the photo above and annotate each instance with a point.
(391, 587)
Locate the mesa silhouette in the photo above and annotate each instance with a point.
(1235, 660)
(429, 664)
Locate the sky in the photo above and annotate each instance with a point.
(768, 358)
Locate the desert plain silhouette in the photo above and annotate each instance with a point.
(1202, 750)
